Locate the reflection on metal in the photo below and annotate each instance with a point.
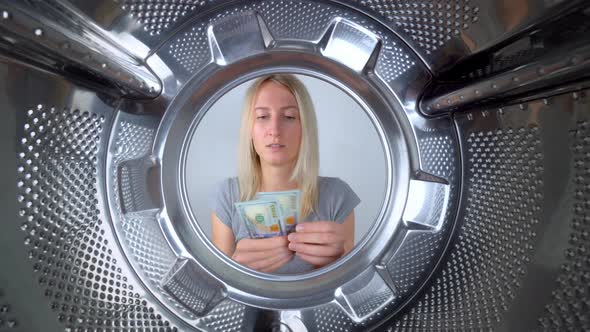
(364, 295)
(157, 17)
(520, 203)
(426, 205)
(139, 231)
(291, 321)
(134, 189)
(447, 32)
(97, 244)
(304, 51)
(63, 38)
(193, 287)
(235, 37)
(349, 44)
(60, 211)
(563, 66)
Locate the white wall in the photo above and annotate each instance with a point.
(349, 149)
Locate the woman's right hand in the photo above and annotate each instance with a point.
(264, 255)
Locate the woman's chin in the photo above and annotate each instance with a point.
(278, 162)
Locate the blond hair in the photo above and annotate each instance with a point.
(305, 172)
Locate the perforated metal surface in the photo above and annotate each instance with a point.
(157, 16)
(571, 29)
(297, 19)
(505, 214)
(486, 264)
(285, 19)
(133, 175)
(59, 208)
(568, 310)
(190, 53)
(227, 316)
(430, 24)
(368, 300)
(307, 21)
(189, 286)
(290, 20)
(134, 140)
(330, 318)
(55, 35)
(7, 318)
(439, 156)
(394, 62)
(141, 231)
(413, 260)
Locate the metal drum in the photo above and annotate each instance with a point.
(482, 109)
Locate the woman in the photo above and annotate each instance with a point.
(278, 150)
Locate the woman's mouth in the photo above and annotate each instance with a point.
(275, 147)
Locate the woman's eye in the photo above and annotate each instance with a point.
(262, 117)
(289, 117)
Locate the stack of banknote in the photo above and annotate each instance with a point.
(271, 213)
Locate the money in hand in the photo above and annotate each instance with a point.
(262, 217)
(290, 203)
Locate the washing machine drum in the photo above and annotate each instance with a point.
(480, 111)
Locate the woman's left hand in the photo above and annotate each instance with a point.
(319, 242)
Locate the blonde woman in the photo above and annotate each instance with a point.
(278, 150)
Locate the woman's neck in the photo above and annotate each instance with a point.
(276, 178)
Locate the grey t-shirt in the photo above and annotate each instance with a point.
(336, 200)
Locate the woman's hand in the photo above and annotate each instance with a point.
(321, 242)
(264, 255)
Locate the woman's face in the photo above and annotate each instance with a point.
(276, 132)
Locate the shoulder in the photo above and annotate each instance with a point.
(332, 188)
(337, 197)
(326, 183)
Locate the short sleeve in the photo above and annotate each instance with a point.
(345, 200)
(220, 201)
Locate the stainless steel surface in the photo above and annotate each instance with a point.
(519, 205)
(236, 37)
(350, 44)
(268, 36)
(441, 33)
(444, 33)
(73, 261)
(57, 36)
(427, 210)
(195, 290)
(562, 66)
(484, 227)
(142, 24)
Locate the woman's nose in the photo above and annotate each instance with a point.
(274, 128)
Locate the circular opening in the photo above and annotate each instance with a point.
(352, 165)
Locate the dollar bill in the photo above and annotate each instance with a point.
(262, 217)
(290, 203)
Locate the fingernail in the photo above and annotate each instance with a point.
(299, 228)
(292, 246)
(291, 237)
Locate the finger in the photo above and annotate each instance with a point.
(262, 244)
(317, 261)
(315, 238)
(317, 250)
(278, 264)
(266, 264)
(247, 257)
(318, 227)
